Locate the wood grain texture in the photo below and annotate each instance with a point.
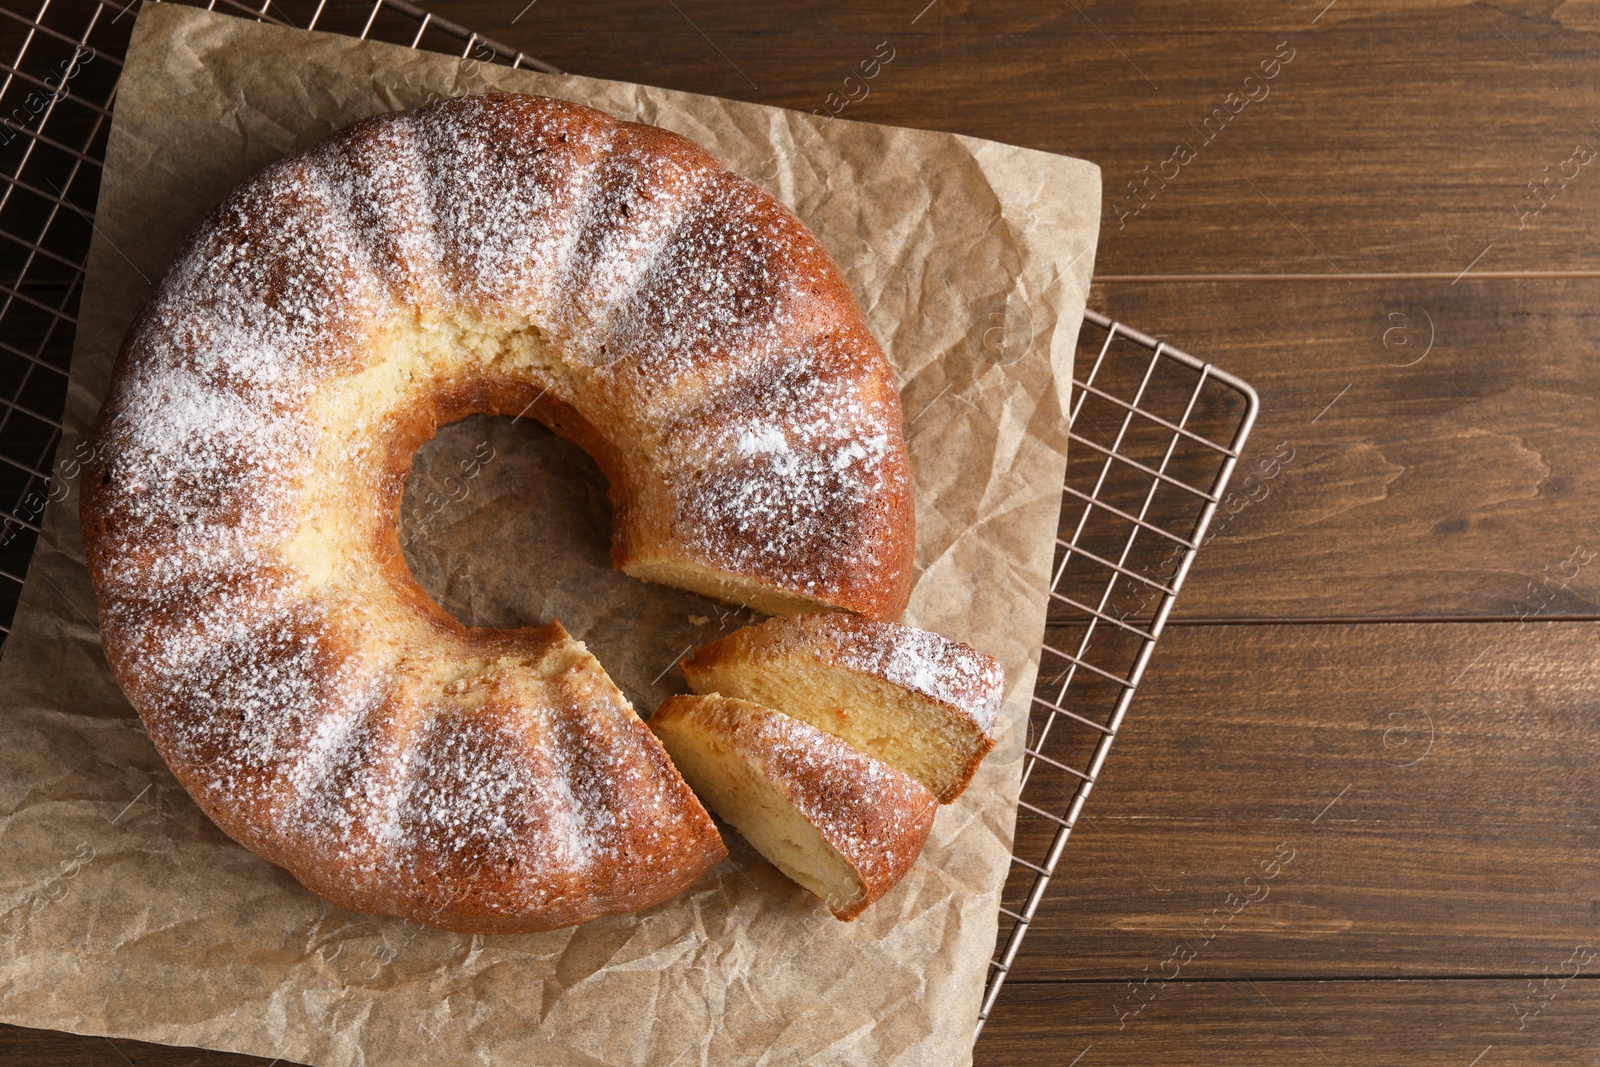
(1427, 789)
(1424, 794)
(1351, 1024)
(1443, 439)
(23, 1047)
(1399, 138)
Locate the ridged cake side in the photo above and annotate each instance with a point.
(511, 255)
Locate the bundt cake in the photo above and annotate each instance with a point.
(921, 703)
(500, 254)
(843, 825)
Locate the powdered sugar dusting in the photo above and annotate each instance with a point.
(866, 809)
(292, 688)
(955, 674)
(472, 784)
(763, 439)
(509, 179)
(795, 475)
(924, 662)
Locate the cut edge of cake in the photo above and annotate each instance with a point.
(839, 823)
(922, 703)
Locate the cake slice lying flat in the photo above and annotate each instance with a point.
(923, 704)
(840, 823)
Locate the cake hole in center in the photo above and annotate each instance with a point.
(505, 524)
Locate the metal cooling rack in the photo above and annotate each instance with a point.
(1155, 432)
(60, 65)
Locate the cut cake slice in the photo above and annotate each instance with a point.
(923, 704)
(843, 825)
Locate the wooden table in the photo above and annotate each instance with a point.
(1383, 675)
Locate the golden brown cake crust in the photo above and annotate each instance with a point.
(875, 817)
(502, 254)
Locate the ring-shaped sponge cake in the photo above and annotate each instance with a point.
(501, 254)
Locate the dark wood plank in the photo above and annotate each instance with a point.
(1394, 140)
(1352, 1024)
(1427, 790)
(1399, 139)
(23, 1047)
(1462, 484)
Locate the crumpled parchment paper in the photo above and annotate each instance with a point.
(124, 912)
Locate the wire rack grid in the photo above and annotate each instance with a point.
(1155, 435)
(1155, 432)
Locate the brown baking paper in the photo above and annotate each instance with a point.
(124, 912)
